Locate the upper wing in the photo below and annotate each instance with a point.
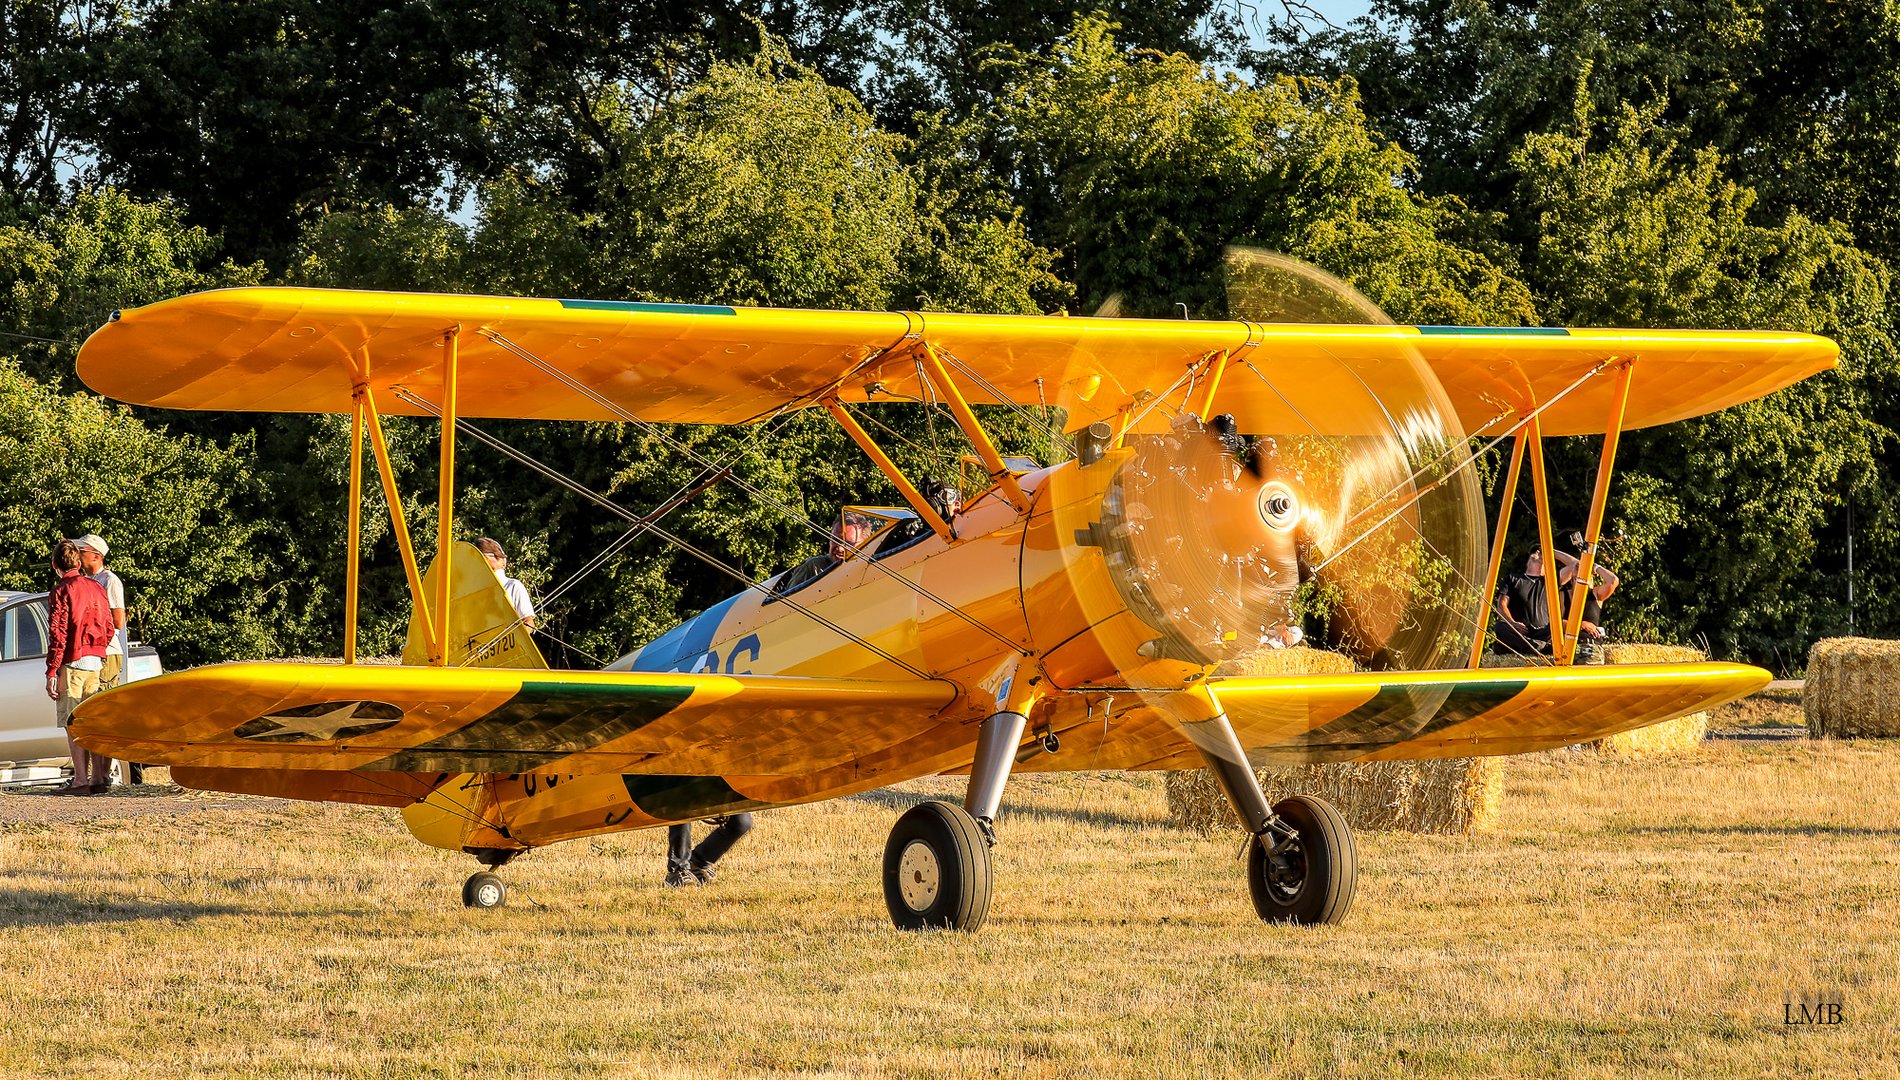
(302, 350)
(388, 719)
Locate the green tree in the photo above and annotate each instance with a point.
(761, 184)
(255, 115)
(1725, 513)
(43, 47)
(65, 269)
(1142, 167)
(1799, 97)
(928, 57)
(169, 506)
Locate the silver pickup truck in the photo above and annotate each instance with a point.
(32, 748)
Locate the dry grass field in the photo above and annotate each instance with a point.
(1625, 918)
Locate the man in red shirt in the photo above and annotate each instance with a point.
(79, 627)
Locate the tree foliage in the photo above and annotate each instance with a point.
(64, 270)
(1459, 161)
(760, 185)
(1142, 167)
(1798, 97)
(1724, 512)
(77, 465)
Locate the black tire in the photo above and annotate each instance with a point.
(484, 890)
(937, 869)
(1312, 882)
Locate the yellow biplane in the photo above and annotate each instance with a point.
(1234, 487)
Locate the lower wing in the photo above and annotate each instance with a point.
(1383, 716)
(1377, 716)
(306, 718)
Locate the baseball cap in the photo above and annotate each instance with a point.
(92, 541)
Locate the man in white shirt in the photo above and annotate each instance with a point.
(517, 592)
(92, 563)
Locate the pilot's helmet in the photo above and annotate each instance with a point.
(944, 498)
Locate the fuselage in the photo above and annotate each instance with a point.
(1126, 581)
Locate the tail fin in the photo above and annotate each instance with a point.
(483, 632)
(483, 629)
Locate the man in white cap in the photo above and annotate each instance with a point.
(92, 563)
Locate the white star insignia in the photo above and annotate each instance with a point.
(322, 727)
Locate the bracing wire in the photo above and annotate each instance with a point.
(1058, 442)
(650, 524)
(790, 513)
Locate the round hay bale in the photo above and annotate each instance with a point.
(1455, 795)
(1850, 689)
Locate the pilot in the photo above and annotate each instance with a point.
(1524, 606)
(689, 865)
(850, 531)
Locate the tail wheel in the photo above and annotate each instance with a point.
(1311, 881)
(484, 890)
(937, 870)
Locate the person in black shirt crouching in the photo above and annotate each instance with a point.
(1523, 622)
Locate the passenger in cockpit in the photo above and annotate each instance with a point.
(850, 531)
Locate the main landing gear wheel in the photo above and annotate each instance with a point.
(484, 890)
(1311, 881)
(937, 869)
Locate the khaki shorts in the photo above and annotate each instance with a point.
(75, 686)
(115, 667)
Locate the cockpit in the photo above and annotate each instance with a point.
(857, 532)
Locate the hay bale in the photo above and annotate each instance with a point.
(1510, 660)
(1456, 795)
(1850, 692)
(1298, 660)
(1642, 652)
(1683, 734)
(1678, 736)
(1445, 795)
(1670, 736)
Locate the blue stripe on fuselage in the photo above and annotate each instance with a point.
(684, 647)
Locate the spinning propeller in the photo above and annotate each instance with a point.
(1327, 498)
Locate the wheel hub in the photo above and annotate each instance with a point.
(488, 894)
(919, 875)
(1286, 872)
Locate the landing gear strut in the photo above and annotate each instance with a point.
(1302, 865)
(937, 861)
